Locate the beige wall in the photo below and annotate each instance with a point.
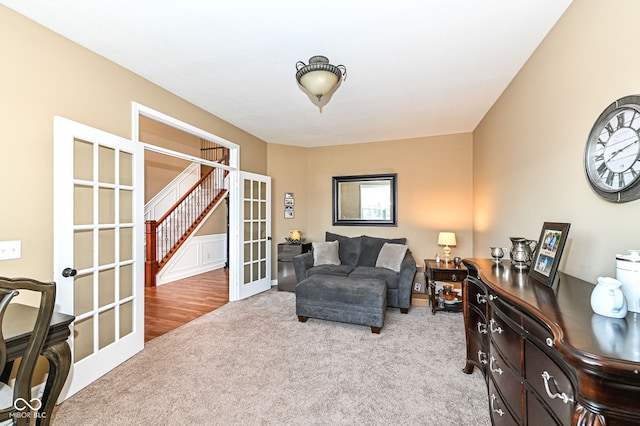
(44, 75)
(528, 150)
(434, 189)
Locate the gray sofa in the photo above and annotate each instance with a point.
(358, 258)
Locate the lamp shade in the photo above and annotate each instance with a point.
(447, 239)
(319, 77)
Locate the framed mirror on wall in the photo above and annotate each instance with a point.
(365, 200)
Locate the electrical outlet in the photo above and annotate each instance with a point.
(10, 250)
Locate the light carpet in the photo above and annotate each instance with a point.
(252, 363)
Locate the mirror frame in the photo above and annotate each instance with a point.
(392, 221)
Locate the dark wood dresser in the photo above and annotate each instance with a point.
(547, 358)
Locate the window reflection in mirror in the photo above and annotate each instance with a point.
(365, 200)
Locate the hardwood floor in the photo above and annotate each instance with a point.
(171, 305)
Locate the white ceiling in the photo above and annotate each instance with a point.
(414, 67)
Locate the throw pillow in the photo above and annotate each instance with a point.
(391, 256)
(371, 247)
(325, 253)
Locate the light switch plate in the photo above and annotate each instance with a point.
(10, 250)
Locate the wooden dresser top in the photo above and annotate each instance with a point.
(583, 337)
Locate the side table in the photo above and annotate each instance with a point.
(444, 273)
(286, 272)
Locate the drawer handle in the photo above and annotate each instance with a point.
(481, 298)
(482, 328)
(497, 411)
(549, 342)
(562, 396)
(454, 277)
(493, 297)
(494, 370)
(482, 357)
(498, 329)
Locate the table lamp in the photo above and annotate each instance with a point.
(447, 239)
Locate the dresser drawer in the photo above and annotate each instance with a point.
(537, 331)
(509, 382)
(500, 414)
(476, 294)
(549, 382)
(477, 335)
(507, 340)
(538, 413)
(456, 276)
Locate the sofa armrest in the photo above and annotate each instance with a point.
(301, 264)
(405, 280)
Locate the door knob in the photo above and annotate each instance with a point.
(69, 272)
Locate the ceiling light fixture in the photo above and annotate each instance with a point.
(319, 77)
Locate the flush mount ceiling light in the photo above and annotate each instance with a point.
(319, 77)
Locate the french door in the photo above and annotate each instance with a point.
(255, 250)
(98, 247)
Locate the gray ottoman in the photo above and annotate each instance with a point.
(355, 301)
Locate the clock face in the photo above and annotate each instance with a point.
(612, 154)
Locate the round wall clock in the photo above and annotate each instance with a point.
(612, 154)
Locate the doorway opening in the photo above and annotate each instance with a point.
(171, 148)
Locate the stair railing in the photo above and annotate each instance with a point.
(167, 234)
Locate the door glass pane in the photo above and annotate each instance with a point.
(107, 244)
(247, 231)
(263, 269)
(126, 206)
(126, 319)
(126, 169)
(82, 338)
(263, 229)
(126, 281)
(247, 188)
(83, 249)
(247, 210)
(247, 273)
(263, 191)
(106, 287)
(83, 160)
(255, 255)
(107, 327)
(82, 294)
(247, 252)
(126, 244)
(107, 205)
(82, 205)
(255, 193)
(107, 165)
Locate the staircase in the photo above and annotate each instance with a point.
(165, 236)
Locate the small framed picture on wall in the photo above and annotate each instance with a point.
(289, 202)
(289, 212)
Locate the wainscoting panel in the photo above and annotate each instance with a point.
(199, 254)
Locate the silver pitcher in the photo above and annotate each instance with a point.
(522, 251)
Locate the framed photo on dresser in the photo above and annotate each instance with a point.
(548, 252)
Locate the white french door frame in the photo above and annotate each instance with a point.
(234, 180)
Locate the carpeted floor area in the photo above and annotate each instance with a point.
(252, 363)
